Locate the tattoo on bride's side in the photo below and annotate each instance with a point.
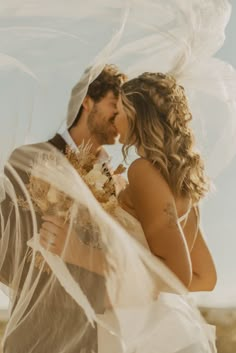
(171, 214)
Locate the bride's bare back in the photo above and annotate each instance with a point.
(149, 198)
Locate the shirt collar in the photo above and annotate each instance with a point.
(70, 142)
(103, 155)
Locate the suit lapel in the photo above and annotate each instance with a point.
(58, 142)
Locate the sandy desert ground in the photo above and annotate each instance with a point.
(225, 321)
(223, 318)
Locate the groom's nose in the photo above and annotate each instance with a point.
(116, 110)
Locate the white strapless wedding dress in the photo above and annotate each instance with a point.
(171, 327)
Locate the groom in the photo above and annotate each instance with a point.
(45, 318)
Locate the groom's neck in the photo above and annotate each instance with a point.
(80, 136)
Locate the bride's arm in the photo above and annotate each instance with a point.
(154, 205)
(204, 271)
(58, 238)
(73, 251)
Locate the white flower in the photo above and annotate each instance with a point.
(96, 177)
(52, 195)
(98, 167)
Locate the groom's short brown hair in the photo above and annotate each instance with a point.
(110, 79)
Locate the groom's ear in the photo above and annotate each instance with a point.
(88, 104)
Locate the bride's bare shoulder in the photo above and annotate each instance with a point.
(140, 164)
(143, 169)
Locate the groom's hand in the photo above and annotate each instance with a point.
(56, 236)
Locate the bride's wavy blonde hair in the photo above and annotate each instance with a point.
(158, 117)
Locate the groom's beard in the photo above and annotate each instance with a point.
(102, 127)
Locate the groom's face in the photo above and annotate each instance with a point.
(101, 119)
(121, 122)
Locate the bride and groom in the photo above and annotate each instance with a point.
(161, 199)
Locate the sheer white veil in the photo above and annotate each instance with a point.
(46, 47)
(178, 37)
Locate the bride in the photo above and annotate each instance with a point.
(159, 208)
(168, 180)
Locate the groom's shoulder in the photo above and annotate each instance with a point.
(21, 160)
(29, 151)
(23, 157)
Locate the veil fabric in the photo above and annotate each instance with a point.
(88, 306)
(119, 292)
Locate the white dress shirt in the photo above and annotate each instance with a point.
(103, 155)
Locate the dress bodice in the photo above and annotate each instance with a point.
(153, 320)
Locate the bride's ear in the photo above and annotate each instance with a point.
(88, 104)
